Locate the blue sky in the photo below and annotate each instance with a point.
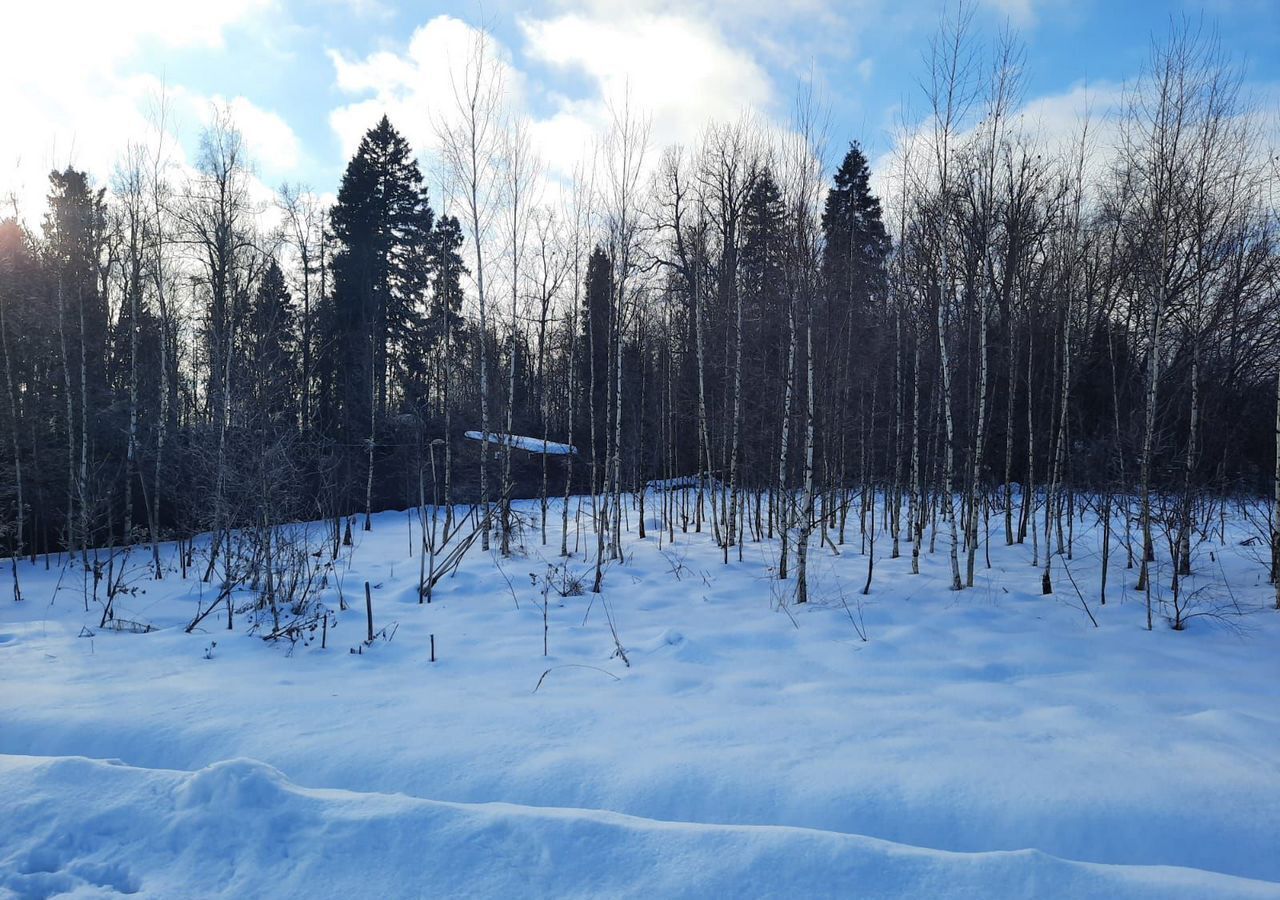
(305, 78)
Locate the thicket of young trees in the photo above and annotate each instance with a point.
(1018, 328)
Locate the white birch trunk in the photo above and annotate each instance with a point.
(915, 510)
(1148, 438)
(783, 499)
(948, 473)
(1052, 501)
(979, 441)
(737, 424)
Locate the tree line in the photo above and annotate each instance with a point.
(1020, 328)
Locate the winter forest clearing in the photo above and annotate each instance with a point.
(724, 513)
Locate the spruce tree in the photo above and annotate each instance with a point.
(853, 261)
(594, 362)
(762, 267)
(444, 315)
(271, 352)
(382, 223)
(762, 257)
(75, 258)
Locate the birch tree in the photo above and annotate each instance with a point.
(470, 145)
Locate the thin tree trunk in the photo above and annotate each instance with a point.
(1148, 439)
(1184, 556)
(1052, 503)
(737, 423)
(84, 431)
(373, 420)
(787, 391)
(1275, 513)
(915, 511)
(806, 524)
(979, 441)
(948, 475)
(19, 511)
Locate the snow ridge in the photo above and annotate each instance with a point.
(240, 828)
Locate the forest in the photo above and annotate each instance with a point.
(1020, 328)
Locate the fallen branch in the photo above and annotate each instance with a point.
(573, 666)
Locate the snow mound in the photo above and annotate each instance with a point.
(520, 442)
(239, 828)
(668, 637)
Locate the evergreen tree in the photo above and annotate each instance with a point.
(447, 271)
(764, 299)
(853, 311)
(853, 261)
(382, 223)
(444, 316)
(75, 262)
(75, 242)
(763, 259)
(23, 347)
(271, 353)
(596, 327)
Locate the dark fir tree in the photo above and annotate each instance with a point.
(444, 323)
(762, 266)
(271, 353)
(373, 355)
(853, 261)
(75, 230)
(594, 362)
(382, 226)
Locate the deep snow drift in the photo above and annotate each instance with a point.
(746, 750)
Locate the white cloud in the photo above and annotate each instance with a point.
(1020, 13)
(679, 71)
(414, 88)
(73, 104)
(271, 142)
(86, 126)
(69, 38)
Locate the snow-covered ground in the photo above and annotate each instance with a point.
(988, 743)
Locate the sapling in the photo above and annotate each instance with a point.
(368, 607)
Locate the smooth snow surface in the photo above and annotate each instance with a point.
(987, 743)
(520, 442)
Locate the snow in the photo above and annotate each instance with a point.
(520, 442)
(240, 828)
(978, 744)
(685, 482)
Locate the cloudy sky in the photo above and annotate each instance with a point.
(304, 78)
